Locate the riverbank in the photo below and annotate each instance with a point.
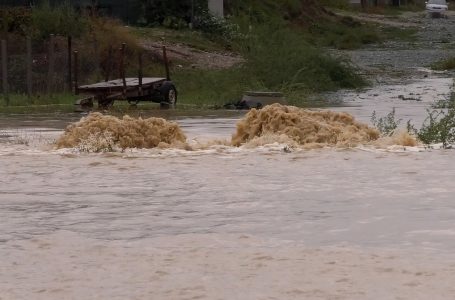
(210, 70)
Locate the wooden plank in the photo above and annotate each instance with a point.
(118, 83)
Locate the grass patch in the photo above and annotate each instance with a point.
(345, 34)
(349, 34)
(397, 33)
(387, 10)
(443, 65)
(31, 109)
(39, 100)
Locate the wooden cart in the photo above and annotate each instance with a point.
(159, 90)
(154, 89)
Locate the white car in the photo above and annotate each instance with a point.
(436, 8)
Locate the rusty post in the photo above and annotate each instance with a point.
(166, 63)
(76, 75)
(140, 73)
(29, 67)
(5, 71)
(50, 74)
(108, 64)
(70, 46)
(122, 66)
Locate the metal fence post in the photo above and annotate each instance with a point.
(140, 73)
(69, 52)
(122, 66)
(166, 64)
(108, 64)
(5, 72)
(76, 73)
(50, 75)
(29, 67)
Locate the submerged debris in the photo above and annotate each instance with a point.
(302, 127)
(100, 133)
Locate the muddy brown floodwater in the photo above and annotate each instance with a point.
(260, 221)
(224, 222)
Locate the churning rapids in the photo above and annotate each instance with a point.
(207, 220)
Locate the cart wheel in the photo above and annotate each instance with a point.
(169, 93)
(133, 102)
(105, 104)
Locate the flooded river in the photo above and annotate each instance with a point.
(228, 222)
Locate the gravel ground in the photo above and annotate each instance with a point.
(398, 61)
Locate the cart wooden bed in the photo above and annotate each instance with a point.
(132, 89)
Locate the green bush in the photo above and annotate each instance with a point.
(15, 20)
(216, 28)
(281, 57)
(61, 19)
(439, 127)
(277, 59)
(386, 125)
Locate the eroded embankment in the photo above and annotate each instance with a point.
(302, 127)
(98, 132)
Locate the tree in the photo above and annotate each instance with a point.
(157, 11)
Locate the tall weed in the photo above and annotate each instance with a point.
(386, 125)
(439, 127)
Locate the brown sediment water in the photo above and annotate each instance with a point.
(400, 138)
(302, 127)
(98, 132)
(293, 126)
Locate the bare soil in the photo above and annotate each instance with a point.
(185, 55)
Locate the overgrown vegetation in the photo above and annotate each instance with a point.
(297, 69)
(386, 125)
(438, 127)
(42, 21)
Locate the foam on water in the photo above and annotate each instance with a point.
(302, 127)
(273, 128)
(98, 132)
